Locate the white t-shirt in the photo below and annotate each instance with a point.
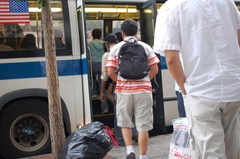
(104, 69)
(205, 33)
(104, 75)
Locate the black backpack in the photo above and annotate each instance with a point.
(133, 61)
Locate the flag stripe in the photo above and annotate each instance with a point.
(23, 20)
(14, 22)
(4, 11)
(12, 12)
(13, 18)
(4, 7)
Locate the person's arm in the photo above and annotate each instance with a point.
(102, 91)
(104, 77)
(175, 68)
(153, 71)
(112, 74)
(239, 37)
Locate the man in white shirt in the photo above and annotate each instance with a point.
(111, 41)
(206, 33)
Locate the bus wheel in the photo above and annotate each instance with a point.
(24, 128)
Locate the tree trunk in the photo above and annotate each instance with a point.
(55, 110)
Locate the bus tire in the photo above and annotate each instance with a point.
(24, 128)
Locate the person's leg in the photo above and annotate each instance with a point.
(144, 119)
(134, 131)
(124, 119)
(94, 87)
(118, 131)
(127, 136)
(231, 123)
(104, 106)
(94, 79)
(181, 108)
(143, 142)
(97, 70)
(109, 93)
(206, 130)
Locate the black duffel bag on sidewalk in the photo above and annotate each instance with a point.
(92, 141)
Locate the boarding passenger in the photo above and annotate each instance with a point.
(59, 39)
(14, 35)
(133, 96)
(119, 36)
(2, 45)
(107, 83)
(97, 47)
(207, 36)
(111, 41)
(29, 42)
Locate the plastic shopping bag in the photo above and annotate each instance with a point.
(180, 145)
(92, 141)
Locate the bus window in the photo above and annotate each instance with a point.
(92, 24)
(26, 33)
(117, 28)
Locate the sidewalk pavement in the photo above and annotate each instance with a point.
(158, 149)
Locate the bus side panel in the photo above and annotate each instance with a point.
(170, 106)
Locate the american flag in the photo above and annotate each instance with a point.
(12, 12)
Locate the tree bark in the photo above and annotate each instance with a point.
(55, 110)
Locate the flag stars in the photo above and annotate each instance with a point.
(18, 7)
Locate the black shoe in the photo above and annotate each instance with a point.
(131, 156)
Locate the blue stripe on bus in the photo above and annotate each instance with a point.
(163, 62)
(38, 69)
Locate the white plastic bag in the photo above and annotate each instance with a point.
(180, 146)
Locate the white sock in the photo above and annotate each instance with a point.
(143, 157)
(129, 149)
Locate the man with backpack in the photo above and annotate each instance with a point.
(133, 86)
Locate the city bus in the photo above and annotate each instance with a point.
(24, 120)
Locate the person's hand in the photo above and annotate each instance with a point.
(182, 91)
(102, 97)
